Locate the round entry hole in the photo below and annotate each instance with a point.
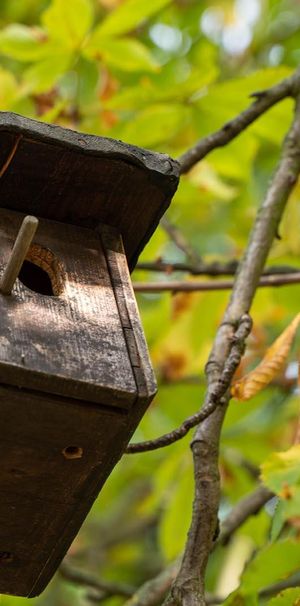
(42, 271)
(72, 452)
(36, 278)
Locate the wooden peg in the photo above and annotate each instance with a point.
(18, 254)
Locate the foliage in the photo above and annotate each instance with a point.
(270, 367)
(161, 74)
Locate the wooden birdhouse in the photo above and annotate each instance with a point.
(75, 376)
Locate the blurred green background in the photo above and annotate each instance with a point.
(162, 74)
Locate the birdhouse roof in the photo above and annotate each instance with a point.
(85, 180)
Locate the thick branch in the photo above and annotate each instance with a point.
(210, 285)
(188, 588)
(154, 590)
(264, 100)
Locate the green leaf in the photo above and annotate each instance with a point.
(282, 469)
(42, 76)
(129, 15)
(125, 54)
(237, 599)
(274, 562)
(278, 520)
(288, 597)
(22, 43)
(178, 508)
(8, 89)
(205, 178)
(154, 125)
(236, 161)
(88, 79)
(68, 22)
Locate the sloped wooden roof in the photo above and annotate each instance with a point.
(60, 174)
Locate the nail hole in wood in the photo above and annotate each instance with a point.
(6, 557)
(72, 452)
(42, 271)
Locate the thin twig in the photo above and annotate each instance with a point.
(249, 505)
(11, 156)
(276, 588)
(189, 586)
(180, 240)
(211, 285)
(79, 577)
(207, 269)
(234, 358)
(154, 590)
(264, 101)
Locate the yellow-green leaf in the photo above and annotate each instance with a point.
(282, 469)
(154, 125)
(42, 76)
(21, 42)
(179, 506)
(125, 54)
(128, 15)
(287, 597)
(8, 89)
(207, 179)
(274, 562)
(68, 22)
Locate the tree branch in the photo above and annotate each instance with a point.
(234, 357)
(273, 590)
(248, 506)
(264, 101)
(188, 588)
(105, 588)
(210, 285)
(154, 590)
(179, 240)
(208, 269)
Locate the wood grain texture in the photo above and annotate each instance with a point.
(72, 344)
(75, 380)
(129, 314)
(45, 496)
(85, 180)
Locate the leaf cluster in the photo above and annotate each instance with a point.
(162, 74)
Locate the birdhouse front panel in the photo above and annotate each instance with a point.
(69, 341)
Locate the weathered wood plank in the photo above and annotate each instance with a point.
(129, 314)
(71, 177)
(72, 344)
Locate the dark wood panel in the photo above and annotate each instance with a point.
(45, 495)
(71, 177)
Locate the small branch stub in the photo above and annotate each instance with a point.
(18, 254)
